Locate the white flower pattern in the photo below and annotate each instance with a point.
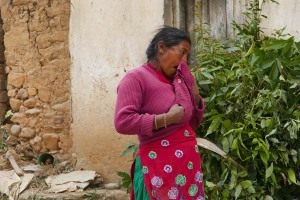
(178, 153)
(168, 168)
(173, 193)
(199, 177)
(156, 181)
(165, 143)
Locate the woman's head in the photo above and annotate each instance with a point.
(168, 48)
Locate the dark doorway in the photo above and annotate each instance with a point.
(3, 76)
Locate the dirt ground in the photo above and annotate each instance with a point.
(26, 156)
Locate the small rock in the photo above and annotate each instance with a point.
(58, 119)
(32, 91)
(22, 109)
(32, 122)
(33, 111)
(27, 133)
(19, 118)
(15, 130)
(16, 79)
(30, 103)
(15, 104)
(50, 140)
(35, 143)
(44, 94)
(97, 181)
(62, 107)
(49, 114)
(22, 94)
(111, 186)
(11, 93)
(12, 140)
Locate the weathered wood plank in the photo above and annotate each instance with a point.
(190, 16)
(168, 12)
(229, 18)
(217, 16)
(205, 11)
(239, 7)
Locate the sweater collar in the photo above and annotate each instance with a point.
(161, 77)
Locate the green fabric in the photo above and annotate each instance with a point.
(140, 191)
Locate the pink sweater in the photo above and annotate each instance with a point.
(141, 95)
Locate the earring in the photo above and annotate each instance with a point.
(161, 51)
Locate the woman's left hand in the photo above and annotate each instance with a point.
(195, 90)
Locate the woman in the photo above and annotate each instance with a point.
(160, 102)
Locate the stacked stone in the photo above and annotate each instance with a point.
(3, 91)
(38, 68)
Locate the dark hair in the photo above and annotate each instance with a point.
(170, 36)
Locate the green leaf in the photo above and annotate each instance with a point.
(251, 49)
(276, 44)
(210, 184)
(127, 151)
(234, 144)
(293, 152)
(269, 171)
(251, 189)
(226, 145)
(298, 45)
(254, 58)
(263, 123)
(264, 157)
(238, 191)
(267, 197)
(285, 157)
(242, 174)
(271, 133)
(227, 124)
(214, 125)
(220, 60)
(246, 184)
(274, 73)
(205, 82)
(131, 148)
(123, 174)
(233, 181)
(266, 64)
(292, 175)
(275, 140)
(207, 75)
(222, 78)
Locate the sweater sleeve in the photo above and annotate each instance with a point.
(198, 115)
(128, 119)
(198, 111)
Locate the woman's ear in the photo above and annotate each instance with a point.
(161, 47)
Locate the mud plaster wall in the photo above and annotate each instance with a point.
(38, 67)
(107, 38)
(285, 14)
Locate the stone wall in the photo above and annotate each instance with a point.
(38, 67)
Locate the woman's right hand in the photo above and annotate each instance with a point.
(175, 114)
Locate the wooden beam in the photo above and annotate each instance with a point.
(217, 15)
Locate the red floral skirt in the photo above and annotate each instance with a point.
(172, 167)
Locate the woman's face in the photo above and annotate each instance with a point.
(170, 58)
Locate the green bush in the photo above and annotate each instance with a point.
(251, 87)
